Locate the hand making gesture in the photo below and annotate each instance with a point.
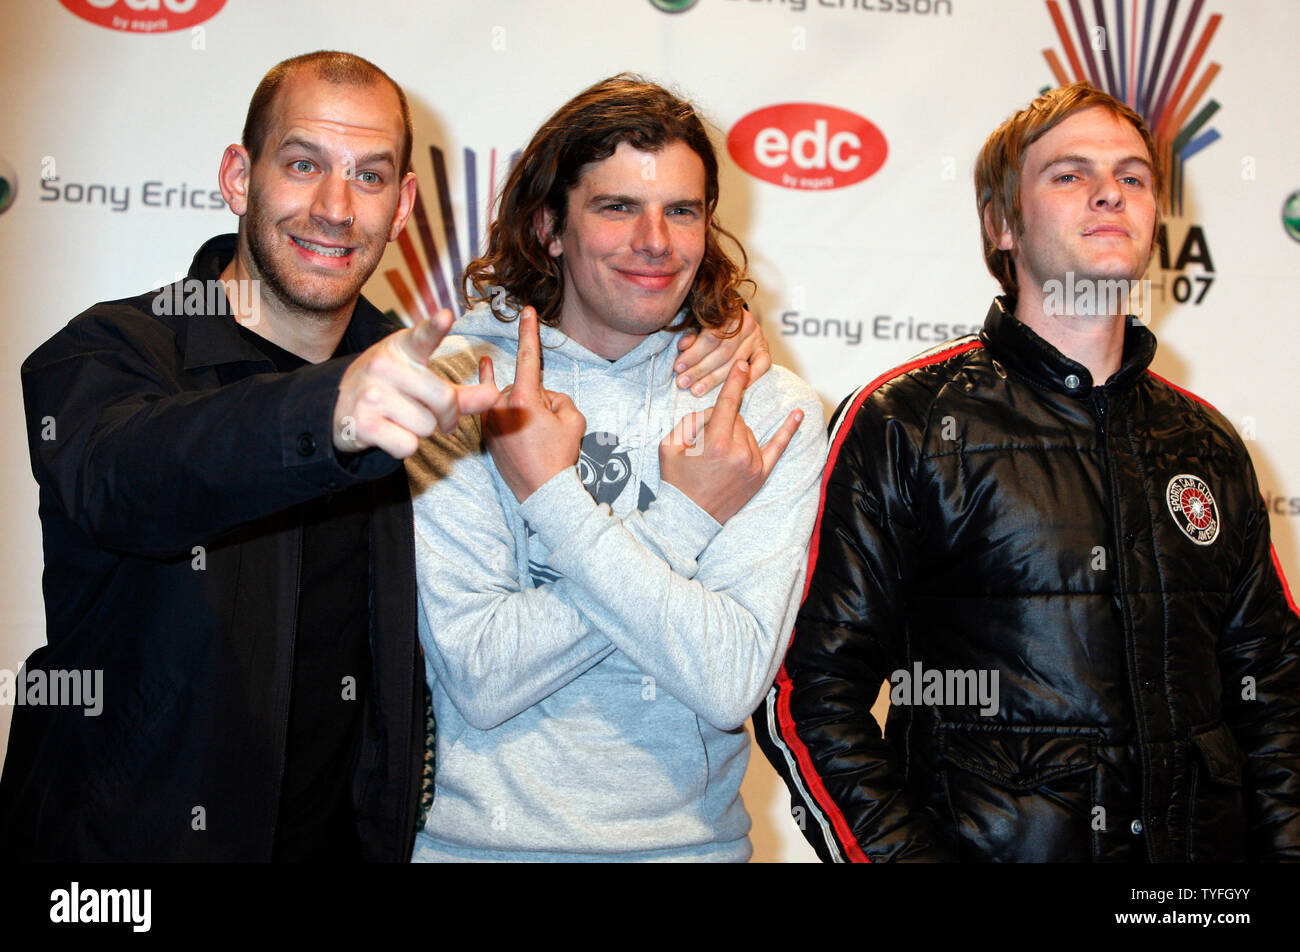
(390, 398)
(531, 433)
(713, 457)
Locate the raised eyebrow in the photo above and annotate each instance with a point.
(1069, 159)
(374, 158)
(378, 158)
(610, 199)
(694, 204)
(1083, 160)
(1135, 160)
(297, 142)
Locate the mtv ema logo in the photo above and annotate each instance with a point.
(433, 283)
(1145, 67)
(1136, 72)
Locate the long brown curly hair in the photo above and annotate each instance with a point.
(587, 129)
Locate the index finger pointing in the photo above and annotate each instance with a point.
(425, 337)
(528, 360)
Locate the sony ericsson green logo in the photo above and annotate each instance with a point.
(673, 6)
(8, 186)
(1290, 214)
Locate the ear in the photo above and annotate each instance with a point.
(544, 227)
(405, 203)
(1000, 237)
(233, 176)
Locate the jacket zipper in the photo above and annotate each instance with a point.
(1100, 404)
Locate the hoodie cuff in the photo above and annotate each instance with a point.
(557, 506)
(681, 529)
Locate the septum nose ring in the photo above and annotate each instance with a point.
(348, 223)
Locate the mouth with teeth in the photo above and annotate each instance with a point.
(333, 255)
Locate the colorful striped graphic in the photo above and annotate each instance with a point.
(1119, 57)
(433, 272)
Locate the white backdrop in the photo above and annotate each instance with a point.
(117, 111)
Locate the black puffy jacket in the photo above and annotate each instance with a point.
(1106, 551)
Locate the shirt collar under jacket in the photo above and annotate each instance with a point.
(1020, 350)
(214, 339)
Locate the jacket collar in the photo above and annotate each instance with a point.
(208, 343)
(1021, 350)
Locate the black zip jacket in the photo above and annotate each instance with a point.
(1105, 550)
(171, 565)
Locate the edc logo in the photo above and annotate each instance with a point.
(807, 146)
(144, 16)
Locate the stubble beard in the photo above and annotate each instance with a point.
(306, 295)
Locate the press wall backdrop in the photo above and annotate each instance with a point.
(847, 130)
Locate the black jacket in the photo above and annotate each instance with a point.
(1106, 551)
(171, 565)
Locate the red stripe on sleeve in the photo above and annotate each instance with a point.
(1186, 393)
(783, 684)
(1281, 577)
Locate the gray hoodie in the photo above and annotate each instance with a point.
(594, 653)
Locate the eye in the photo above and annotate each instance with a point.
(615, 207)
(1132, 180)
(370, 178)
(302, 165)
(586, 472)
(1067, 178)
(683, 212)
(615, 471)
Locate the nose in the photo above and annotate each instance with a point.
(1109, 194)
(332, 204)
(651, 235)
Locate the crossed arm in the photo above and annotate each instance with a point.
(702, 607)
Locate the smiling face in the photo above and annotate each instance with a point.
(1087, 204)
(633, 239)
(325, 194)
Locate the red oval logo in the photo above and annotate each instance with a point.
(144, 16)
(807, 145)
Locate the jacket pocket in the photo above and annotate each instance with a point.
(1216, 829)
(1020, 794)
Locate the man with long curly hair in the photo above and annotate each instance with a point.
(607, 561)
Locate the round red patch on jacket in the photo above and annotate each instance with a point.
(1192, 505)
